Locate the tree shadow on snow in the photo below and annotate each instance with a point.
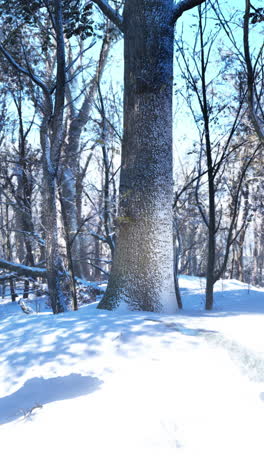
(38, 391)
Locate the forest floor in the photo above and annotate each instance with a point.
(94, 388)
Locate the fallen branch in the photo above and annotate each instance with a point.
(23, 270)
(26, 309)
(34, 272)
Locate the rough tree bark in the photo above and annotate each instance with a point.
(254, 98)
(142, 272)
(237, 264)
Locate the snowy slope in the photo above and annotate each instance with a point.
(93, 388)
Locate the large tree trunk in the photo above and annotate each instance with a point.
(142, 273)
(51, 136)
(68, 190)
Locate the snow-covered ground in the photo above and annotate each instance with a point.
(95, 389)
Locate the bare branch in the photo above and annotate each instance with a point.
(183, 6)
(79, 55)
(23, 70)
(110, 13)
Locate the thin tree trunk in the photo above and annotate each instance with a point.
(9, 256)
(24, 194)
(242, 235)
(176, 281)
(69, 256)
(71, 169)
(209, 294)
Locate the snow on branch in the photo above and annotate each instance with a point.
(23, 270)
(183, 6)
(7, 277)
(110, 13)
(21, 69)
(34, 272)
(97, 236)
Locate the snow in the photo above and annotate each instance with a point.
(99, 388)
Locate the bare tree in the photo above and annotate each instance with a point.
(216, 149)
(51, 136)
(72, 174)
